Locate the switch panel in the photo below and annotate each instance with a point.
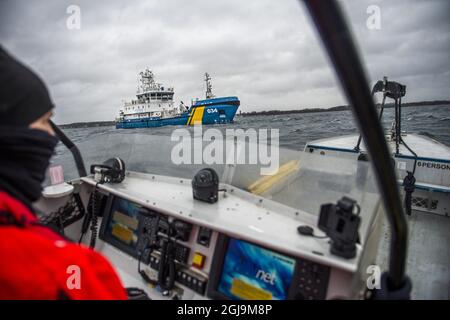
(193, 282)
(182, 253)
(184, 277)
(311, 281)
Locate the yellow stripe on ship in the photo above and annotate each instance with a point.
(190, 116)
(197, 117)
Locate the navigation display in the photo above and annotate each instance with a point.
(250, 272)
(122, 226)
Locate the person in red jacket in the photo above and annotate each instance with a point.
(35, 262)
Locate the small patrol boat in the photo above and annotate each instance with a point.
(422, 163)
(154, 107)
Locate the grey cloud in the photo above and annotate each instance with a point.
(264, 51)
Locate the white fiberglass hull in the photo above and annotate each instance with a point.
(432, 174)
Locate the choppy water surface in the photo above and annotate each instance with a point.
(295, 129)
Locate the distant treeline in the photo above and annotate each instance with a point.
(267, 113)
(338, 108)
(277, 112)
(87, 124)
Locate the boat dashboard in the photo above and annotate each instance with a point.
(245, 246)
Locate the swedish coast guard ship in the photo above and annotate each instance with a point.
(154, 107)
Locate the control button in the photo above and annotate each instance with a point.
(204, 236)
(201, 287)
(198, 261)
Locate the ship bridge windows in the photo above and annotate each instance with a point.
(164, 96)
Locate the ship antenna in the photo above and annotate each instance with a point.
(209, 93)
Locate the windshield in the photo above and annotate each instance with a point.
(300, 180)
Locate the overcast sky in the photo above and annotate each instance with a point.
(264, 51)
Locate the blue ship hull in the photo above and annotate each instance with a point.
(209, 111)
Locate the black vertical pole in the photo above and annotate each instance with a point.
(382, 107)
(337, 39)
(397, 128)
(357, 148)
(399, 106)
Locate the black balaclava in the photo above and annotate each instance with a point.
(24, 152)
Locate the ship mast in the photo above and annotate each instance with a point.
(209, 93)
(147, 81)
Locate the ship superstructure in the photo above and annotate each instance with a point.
(153, 101)
(154, 106)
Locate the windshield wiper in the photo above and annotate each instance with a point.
(72, 148)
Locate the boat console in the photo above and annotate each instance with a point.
(422, 163)
(244, 246)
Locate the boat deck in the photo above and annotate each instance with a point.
(428, 255)
(424, 146)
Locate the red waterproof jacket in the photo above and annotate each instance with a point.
(37, 263)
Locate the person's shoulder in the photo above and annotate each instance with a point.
(38, 243)
(97, 277)
(76, 270)
(28, 265)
